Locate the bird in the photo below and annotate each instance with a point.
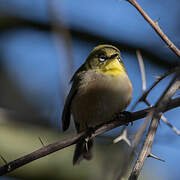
(100, 89)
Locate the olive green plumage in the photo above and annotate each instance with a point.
(100, 89)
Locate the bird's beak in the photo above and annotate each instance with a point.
(113, 64)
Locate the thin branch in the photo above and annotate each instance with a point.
(142, 69)
(156, 27)
(143, 97)
(142, 129)
(155, 114)
(44, 151)
(170, 125)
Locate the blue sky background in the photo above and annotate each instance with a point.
(37, 62)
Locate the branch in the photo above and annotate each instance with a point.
(155, 114)
(156, 27)
(44, 151)
(143, 97)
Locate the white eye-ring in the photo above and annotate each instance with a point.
(119, 59)
(102, 58)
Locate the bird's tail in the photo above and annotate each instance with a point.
(82, 151)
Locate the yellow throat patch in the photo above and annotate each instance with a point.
(112, 67)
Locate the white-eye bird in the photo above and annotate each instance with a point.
(100, 89)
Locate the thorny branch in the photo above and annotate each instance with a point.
(146, 93)
(143, 98)
(156, 27)
(44, 151)
(155, 115)
(135, 116)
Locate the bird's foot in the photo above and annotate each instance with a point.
(125, 115)
(89, 133)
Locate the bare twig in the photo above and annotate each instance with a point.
(142, 69)
(143, 97)
(170, 125)
(141, 130)
(156, 27)
(155, 114)
(44, 151)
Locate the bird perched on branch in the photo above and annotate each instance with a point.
(100, 89)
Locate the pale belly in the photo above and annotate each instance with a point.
(98, 100)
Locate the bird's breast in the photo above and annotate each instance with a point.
(99, 97)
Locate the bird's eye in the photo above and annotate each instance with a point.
(102, 58)
(119, 59)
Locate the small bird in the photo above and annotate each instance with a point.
(100, 89)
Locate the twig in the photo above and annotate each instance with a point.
(170, 125)
(44, 151)
(155, 114)
(143, 97)
(142, 69)
(156, 27)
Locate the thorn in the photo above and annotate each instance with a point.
(123, 137)
(155, 157)
(164, 119)
(3, 159)
(157, 21)
(41, 141)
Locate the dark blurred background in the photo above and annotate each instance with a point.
(42, 43)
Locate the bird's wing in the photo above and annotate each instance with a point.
(66, 115)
